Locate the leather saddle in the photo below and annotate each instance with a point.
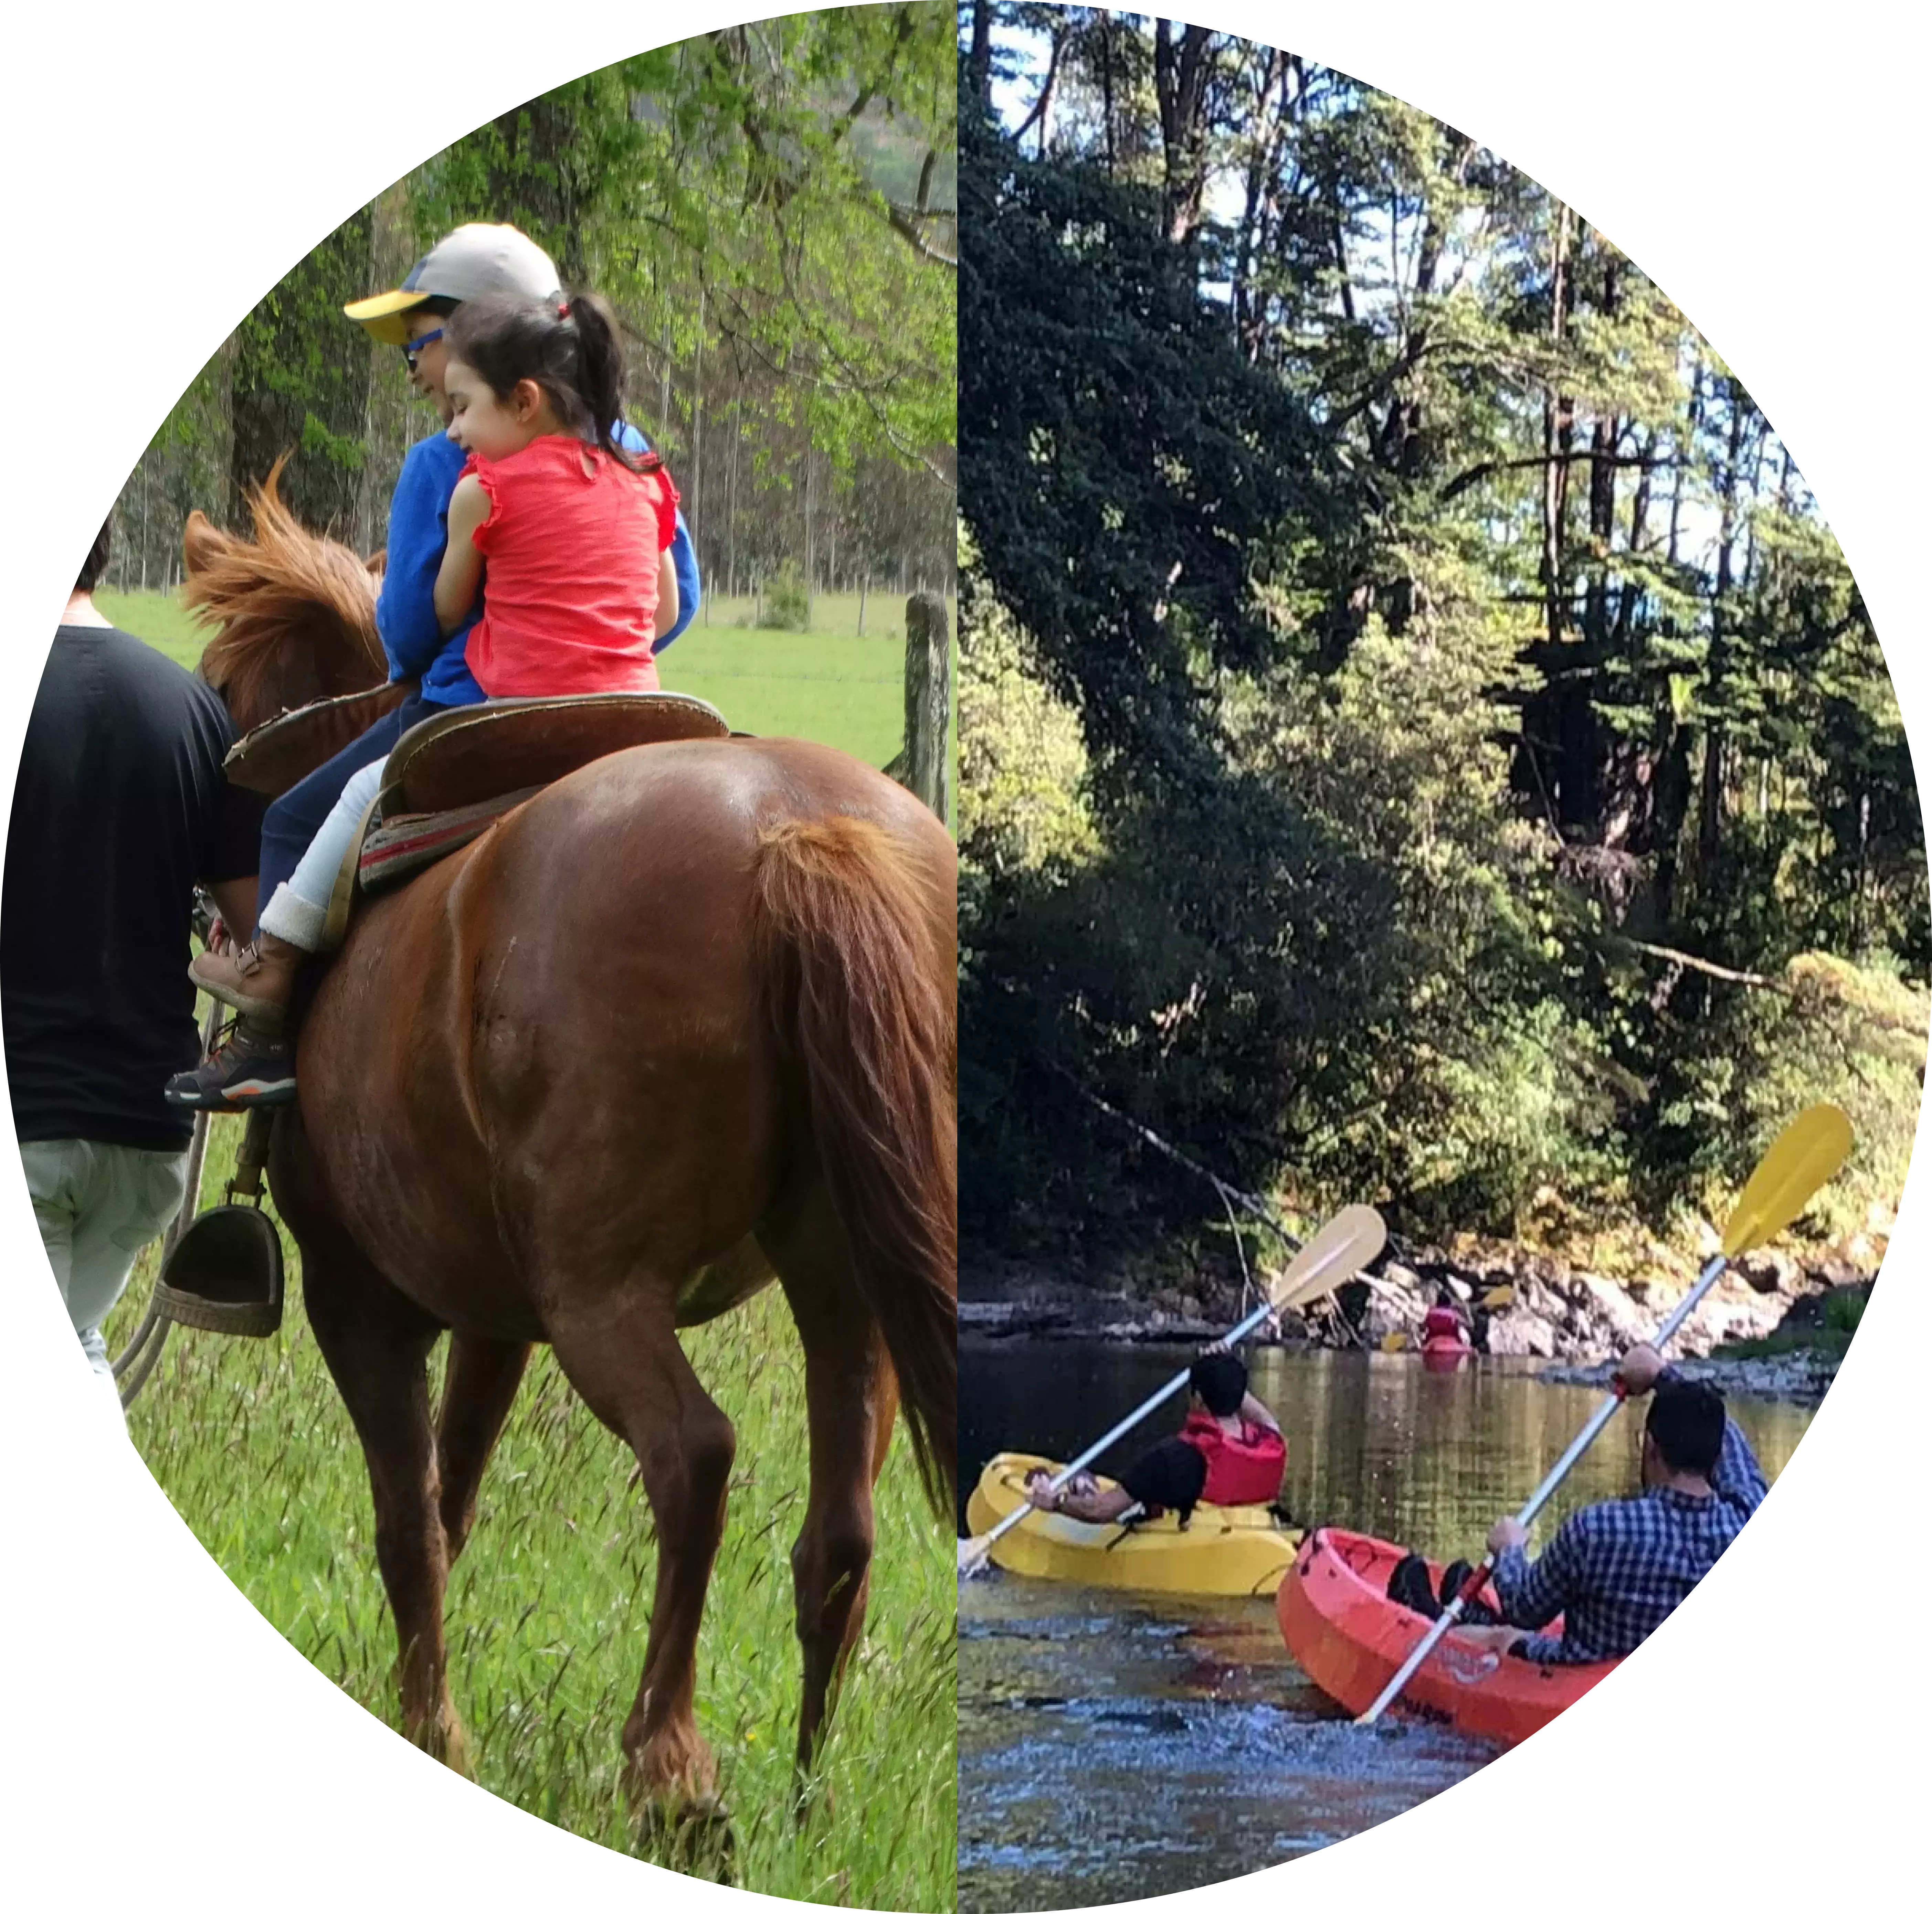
(451, 777)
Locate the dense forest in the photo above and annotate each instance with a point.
(1421, 743)
(771, 210)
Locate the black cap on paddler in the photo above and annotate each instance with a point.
(1221, 1381)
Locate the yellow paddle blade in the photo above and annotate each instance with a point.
(1344, 1248)
(1394, 1343)
(1501, 1297)
(1810, 1151)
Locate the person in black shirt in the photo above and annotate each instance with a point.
(120, 810)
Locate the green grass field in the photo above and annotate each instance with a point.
(548, 1608)
(827, 684)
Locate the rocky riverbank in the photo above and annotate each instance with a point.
(1796, 1375)
(1519, 1302)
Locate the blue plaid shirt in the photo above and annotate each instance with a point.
(1616, 1569)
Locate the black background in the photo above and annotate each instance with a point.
(167, 1739)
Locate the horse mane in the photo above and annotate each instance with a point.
(289, 587)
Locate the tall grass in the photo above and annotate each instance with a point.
(548, 1607)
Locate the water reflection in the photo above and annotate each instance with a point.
(1114, 1746)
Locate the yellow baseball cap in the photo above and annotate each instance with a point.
(472, 261)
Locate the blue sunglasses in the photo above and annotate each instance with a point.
(416, 345)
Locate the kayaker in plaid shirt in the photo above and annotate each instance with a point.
(1615, 1570)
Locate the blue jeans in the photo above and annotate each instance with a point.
(301, 811)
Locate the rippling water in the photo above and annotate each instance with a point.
(1114, 1746)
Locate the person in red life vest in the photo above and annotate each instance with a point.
(1444, 1323)
(1229, 1451)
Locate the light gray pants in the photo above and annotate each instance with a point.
(299, 909)
(98, 1206)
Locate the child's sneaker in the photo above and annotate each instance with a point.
(248, 1069)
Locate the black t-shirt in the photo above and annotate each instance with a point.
(120, 810)
(1171, 1474)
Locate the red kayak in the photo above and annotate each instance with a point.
(1339, 1623)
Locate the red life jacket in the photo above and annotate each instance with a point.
(1246, 1468)
(1442, 1324)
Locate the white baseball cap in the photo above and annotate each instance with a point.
(472, 261)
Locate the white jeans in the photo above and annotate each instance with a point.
(99, 1206)
(299, 909)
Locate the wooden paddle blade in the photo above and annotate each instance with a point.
(1501, 1297)
(1394, 1343)
(1344, 1248)
(1810, 1151)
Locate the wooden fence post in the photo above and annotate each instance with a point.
(925, 767)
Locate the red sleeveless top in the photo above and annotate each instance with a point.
(570, 593)
(1244, 1468)
(1442, 1325)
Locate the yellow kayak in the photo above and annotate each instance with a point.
(1241, 1551)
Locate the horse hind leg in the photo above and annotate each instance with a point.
(851, 1398)
(622, 1355)
(478, 1389)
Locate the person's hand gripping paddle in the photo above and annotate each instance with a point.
(1337, 1255)
(1809, 1151)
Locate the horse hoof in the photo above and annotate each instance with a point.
(693, 1837)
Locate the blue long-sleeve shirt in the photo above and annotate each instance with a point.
(416, 645)
(1615, 1570)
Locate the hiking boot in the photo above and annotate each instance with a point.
(253, 1068)
(256, 978)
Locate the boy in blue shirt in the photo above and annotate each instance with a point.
(257, 1066)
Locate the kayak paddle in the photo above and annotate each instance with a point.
(1335, 1256)
(1809, 1151)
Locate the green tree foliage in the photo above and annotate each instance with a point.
(771, 209)
(1484, 750)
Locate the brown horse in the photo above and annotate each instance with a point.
(683, 1022)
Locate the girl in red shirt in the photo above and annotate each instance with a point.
(575, 531)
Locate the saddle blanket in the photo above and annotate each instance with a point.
(399, 847)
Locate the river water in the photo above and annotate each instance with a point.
(1113, 1746)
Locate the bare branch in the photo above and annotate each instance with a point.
(1489, 468)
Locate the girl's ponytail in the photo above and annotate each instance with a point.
(600, 374)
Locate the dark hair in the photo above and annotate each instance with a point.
(569, 347)
(94, 567)
(437, 305)
(1686, 1423)
(1220, 1381)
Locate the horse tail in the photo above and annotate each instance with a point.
(844, 917)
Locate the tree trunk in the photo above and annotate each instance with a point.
(1711, 797)
(302, 384)
(1264, 157)
(1559, 415)
(1181, 71)
(1107, 87)
(979, 59)
(533, 181)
